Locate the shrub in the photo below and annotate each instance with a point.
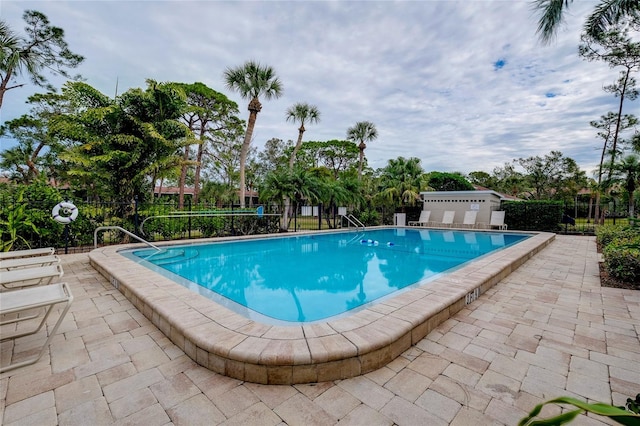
(622, 258)
(606, 234)
(368, 217)
(210, 226)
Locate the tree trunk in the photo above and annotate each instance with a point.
(183, 176)
(292, 159)
(598, 216)
(284, 226)
(362, 147)
(196, 181)
(254, 109)
(3, 85)
(618, 121)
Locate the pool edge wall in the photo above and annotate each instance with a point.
(230, 344)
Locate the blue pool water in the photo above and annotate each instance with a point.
(312, 277)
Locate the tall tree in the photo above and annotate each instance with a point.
(362, 132)
(552, 176)
(36, 148)
(273, 156)
(336, 155)
(252, 81)
(43, 48)
(481, 178)
(618, 50)
(123, 144)
(302, 113)
(508, 180)
(605, 14)
(208, 113)
(607, 125)
(445, 181)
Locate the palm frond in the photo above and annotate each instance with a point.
(607, 13)
(551, 17)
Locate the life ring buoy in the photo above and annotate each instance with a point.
(64, 212)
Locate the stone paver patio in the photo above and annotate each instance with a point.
(548, 329)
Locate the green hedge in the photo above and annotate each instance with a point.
(533, 215)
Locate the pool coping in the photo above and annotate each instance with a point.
(303, 353)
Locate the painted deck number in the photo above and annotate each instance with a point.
(472, 296)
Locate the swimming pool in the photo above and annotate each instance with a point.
(314, 277)
(366, 339)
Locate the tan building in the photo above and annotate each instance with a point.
(484, 202)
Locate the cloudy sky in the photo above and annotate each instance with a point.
(462, 85)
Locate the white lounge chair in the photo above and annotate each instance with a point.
(447, 219)
(28, 262)
(47, 251)
(469, 220)
(497, 220)
(24, 277)
(14, 304)
(423, 220)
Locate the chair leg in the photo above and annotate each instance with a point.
(35, 359)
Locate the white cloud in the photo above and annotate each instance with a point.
(424, 72)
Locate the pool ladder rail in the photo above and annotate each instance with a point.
(352, 220)
(119, 228)
(161, 256)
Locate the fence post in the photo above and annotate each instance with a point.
(233, 232)
(189, 206)
(135, 213)
(319, 216)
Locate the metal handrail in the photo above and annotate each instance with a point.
(131, 234)
(354, 221)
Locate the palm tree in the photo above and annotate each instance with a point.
(606, 13)
(252, 80)
(303, 113)
(627, 172)
(400, 181)
(363, 131)
(296, 184)
(299, 112)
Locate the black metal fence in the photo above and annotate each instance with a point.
(150, 221)
(29, 223)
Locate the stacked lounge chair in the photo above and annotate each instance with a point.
(25, 289)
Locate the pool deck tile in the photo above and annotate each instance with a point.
(547, 329)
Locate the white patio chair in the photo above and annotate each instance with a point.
(25, 277)
(14, 304)
(469, 220)
(28, 262)
(423, 220)
(47, 251)
(447, 219)
(497, 220)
